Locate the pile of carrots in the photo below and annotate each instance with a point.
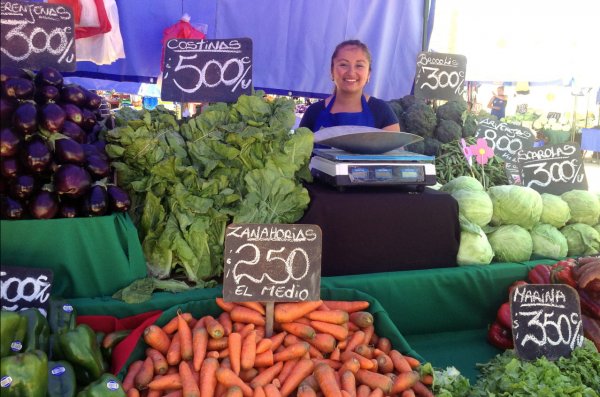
(318, 348)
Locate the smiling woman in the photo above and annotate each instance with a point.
(349, 105)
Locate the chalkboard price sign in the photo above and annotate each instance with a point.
(506, 139)
(546, 320)
(34, 35)
(554, 169)
(25, 287)
(272, 263)
(440, 76)
(205, 70)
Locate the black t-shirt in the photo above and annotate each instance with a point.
(382, 113)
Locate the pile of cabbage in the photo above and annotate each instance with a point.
(511, 223)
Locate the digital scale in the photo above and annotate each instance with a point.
(364, 156)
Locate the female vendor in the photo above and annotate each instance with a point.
(349, 105)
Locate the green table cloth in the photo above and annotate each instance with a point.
(90, 257)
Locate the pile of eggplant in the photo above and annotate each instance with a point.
(53, 161)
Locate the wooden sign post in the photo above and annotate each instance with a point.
(37, 34)
(546, 320)
(554, 169)
(272, 263)
(440, 76)
(25, 287)
(506, 139)
(205, 70)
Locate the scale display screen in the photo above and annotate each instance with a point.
(400, 173)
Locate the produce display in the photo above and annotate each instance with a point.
(232, 163)
(52, 156)
(318, 347)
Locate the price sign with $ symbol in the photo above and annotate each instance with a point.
(205, 70)
(546, 321)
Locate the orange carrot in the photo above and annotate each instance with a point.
(337, 331)
(290, 339)
(362, 319)
(301, 370)
(200, 345)
(185, 339)
(345, 393)
(335, 354)
(228, 378)
(248, 374)
(364, 350)
(271, 391)
(348, 382)
(248, 353)
(352, 327)
(173, 324)
(145, 374)
(213, 327)
(384, 364)
(365, 363)
(254, 306)
(225, 320)
(421, 390)
(311, 382)
(233, 391)
(369, 333)
(399, 361)
(325, 376)
(208, 379)
(226, 306)
(384, 344)
(405, 380)
(267, 375)
(374, 380)
(300, 330)
(351, 365)
(174, 393)
(363, 391)
(296, 350)
(173, 369)
(408, 393)
(217, 344)
(264, 359)
(288, 312)
(246, 329)
(427, 379)
(234, 341)
(306, 391)
(133, 392)
(166, 382)
(189, 385)
(277, 340)
(313, 352)
(413, 362)
(158, 360)
(212, 354)
(174, 352)
(198, 324)
(244, 315)
(377, 392)
(263, 345)
(155, 337)
(356, 339)
(259, 391)
(329, 316)
(333, 364)
(129, 380)
(286, 370)
(348, 306)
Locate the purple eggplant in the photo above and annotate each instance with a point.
(11, 208)
(9, 72)
(9, 142)
(96, 201)
(92, 100)
(67, 150)
(118, 199)
(73, 94)
(35, 154)
(89, 119)
(98, 167)
(43, 205)
(49, 76)
(25, 118)
(73, 113)
(47, 93)
(73, 131)
(10, 167)
(68, 209)
(18, 88)
(71, 180)
(52, 117)
(22, 187)
(7, 108)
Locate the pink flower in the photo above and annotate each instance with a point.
(467, 152)
(481, 151)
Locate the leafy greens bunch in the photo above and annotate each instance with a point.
(237, 162)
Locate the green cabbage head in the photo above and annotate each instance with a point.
(511, 243)
(556, 211)
(582, 239)
(474, 248)
(515, 205)
(548, 241)
(475, 205)
(584, 206)
(462, 182)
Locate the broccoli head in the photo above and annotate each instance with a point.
(408, 100)
(469, 126)
(419, 119)
(432, 147)
(448, 131)
(452, 110)
(396, 107)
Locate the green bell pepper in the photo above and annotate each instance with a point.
(38, 330)
(107, 386)
(80, 348)
(9, 323)
(61, 315)
(25, 374)
(17, 345)
(61, 379)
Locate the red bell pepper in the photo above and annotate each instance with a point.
(539, 274)
(562, 273)
(499, 336)
(503, 315)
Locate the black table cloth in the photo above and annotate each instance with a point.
(379, 229)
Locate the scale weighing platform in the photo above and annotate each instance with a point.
(394, 168)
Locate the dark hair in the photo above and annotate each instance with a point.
(356, 43)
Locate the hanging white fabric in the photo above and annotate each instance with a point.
(103, 48)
